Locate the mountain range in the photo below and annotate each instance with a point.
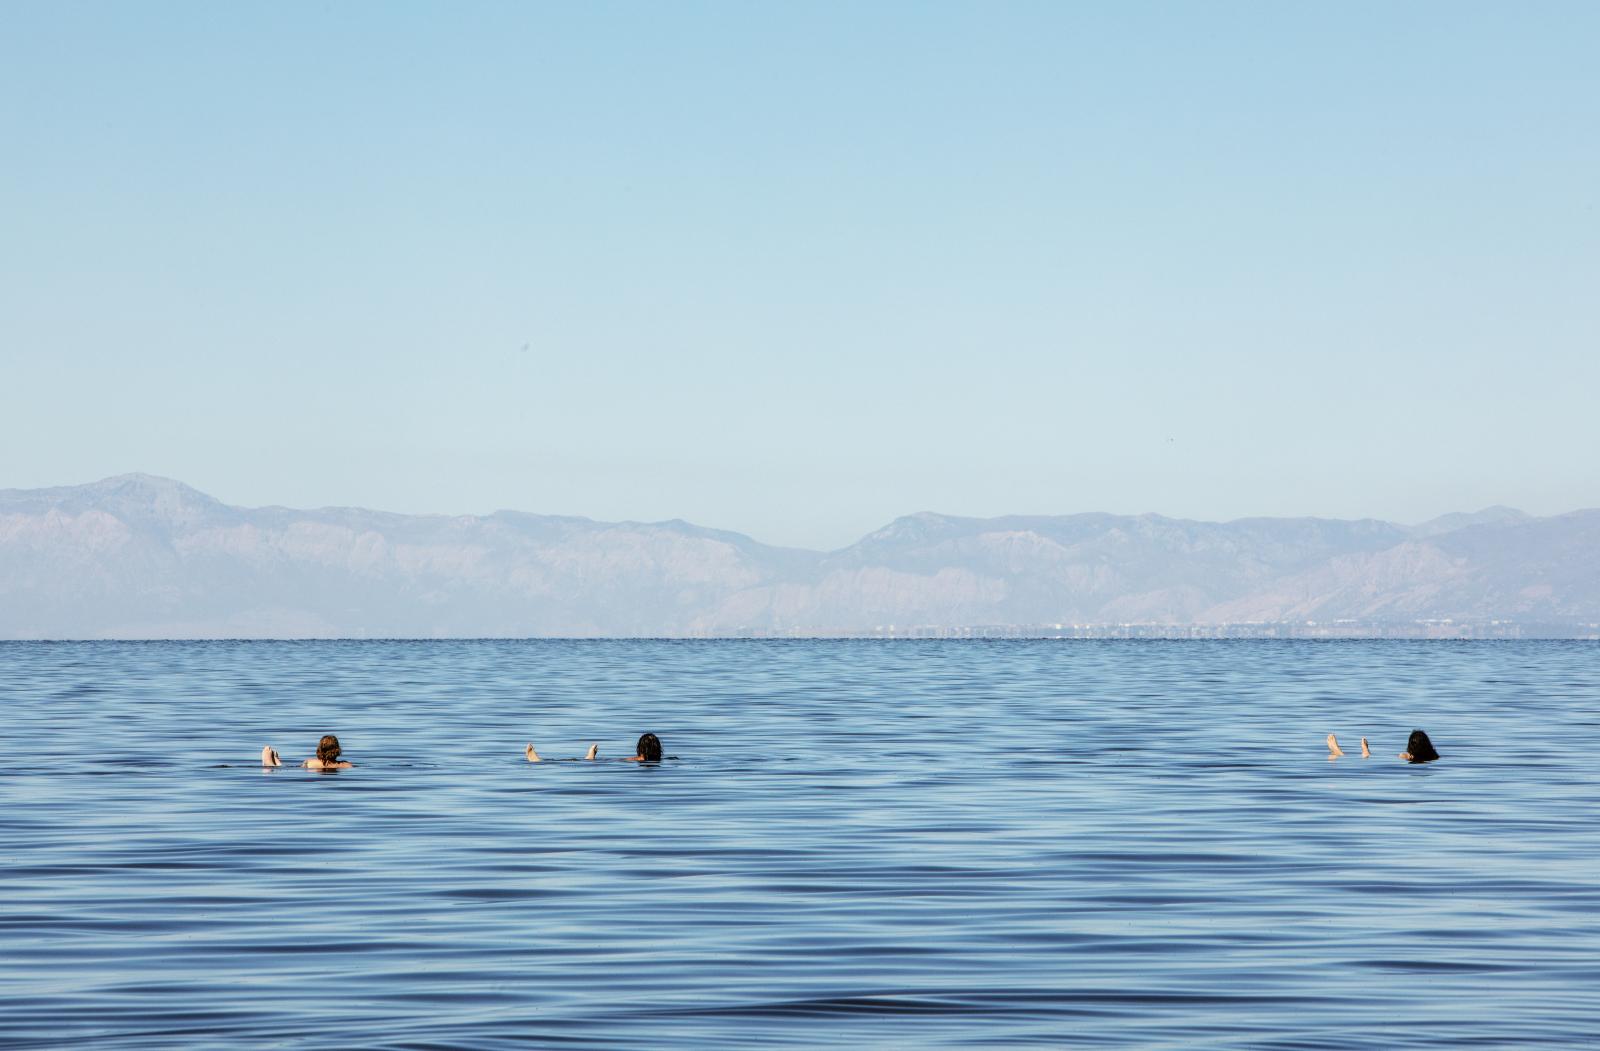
(138, 556)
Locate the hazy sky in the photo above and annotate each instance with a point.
(797, 269)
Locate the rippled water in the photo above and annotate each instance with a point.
(893, 844)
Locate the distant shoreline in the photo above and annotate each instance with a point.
(142, 557)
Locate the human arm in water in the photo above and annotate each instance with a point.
(648, 750)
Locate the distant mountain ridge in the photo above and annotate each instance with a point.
(137, 556)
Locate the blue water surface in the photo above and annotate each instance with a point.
(860, 844)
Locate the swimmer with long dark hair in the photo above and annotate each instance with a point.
(327, 757)
(1418, 748)
(648, 750)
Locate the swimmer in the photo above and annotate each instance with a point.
(648, 750)
(327, 757)
(1418, 748)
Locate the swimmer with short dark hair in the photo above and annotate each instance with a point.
(1418, 748)
(327, 757)
(648, 750)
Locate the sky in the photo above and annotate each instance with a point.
(798, 269)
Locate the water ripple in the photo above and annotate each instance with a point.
(911, 844)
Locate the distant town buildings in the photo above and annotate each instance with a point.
(1447, 628)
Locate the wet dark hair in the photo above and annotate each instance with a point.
(328, 749)
(1419, 748)
(649, 748)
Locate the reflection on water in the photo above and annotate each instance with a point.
(899, 844)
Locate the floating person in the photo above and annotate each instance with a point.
(327, 757)
(1418, 748)
(648, 750)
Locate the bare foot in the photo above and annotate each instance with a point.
(1366, 753)
(1334, 751)
(594, 750)
(533, 757)
(269, 757)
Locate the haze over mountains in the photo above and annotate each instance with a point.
(143, 557)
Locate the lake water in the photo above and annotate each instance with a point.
(881, 844)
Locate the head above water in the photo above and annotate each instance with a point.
(1419, 748)
(649, 748)
(328, 749)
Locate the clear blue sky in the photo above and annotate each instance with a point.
(798, 269)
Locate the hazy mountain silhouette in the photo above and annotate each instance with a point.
(139, 556)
